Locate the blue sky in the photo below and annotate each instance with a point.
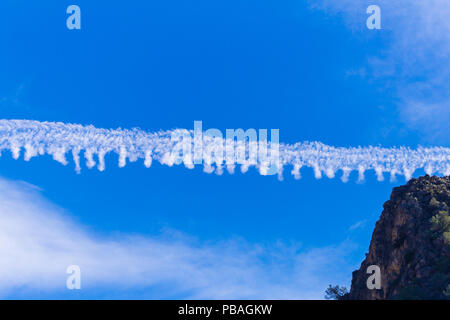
(310, 69)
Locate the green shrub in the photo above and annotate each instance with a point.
(440, 225)
(335, 293)
(434, 203)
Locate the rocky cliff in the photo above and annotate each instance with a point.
(410, 244)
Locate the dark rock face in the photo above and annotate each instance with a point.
(410, 244)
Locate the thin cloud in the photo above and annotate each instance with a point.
(415, 60)
(58, 139)
(38, 241)
(357, 225)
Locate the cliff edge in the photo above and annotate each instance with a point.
(410, 244)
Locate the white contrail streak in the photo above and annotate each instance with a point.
(58, 139)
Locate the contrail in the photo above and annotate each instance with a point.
(58, 139)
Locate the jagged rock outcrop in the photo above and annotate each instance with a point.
(410, 244)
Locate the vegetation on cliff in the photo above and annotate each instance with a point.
(410, 244)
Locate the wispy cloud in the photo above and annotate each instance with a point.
(357, 225)
(38, 241)
(57, 139)
(415, 61)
